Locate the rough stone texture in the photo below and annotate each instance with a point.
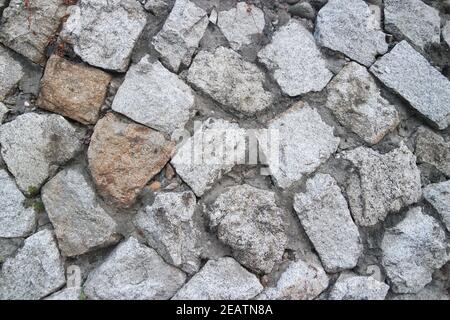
(430, 292)
(222, 279)
(11, 72)
(80, 222)
(103, 33)
(409, 74)
(16, 220)
(412, 251)
(155, 97)
(345, 26)
(35, 145)
(27, 26)
(305, 142)
(3, 111)
(350, 286)
(124, 156)
(73, 293)
(8, 247)
(414, 21)
(355, 100)
(229, 79)
(169, 228)
(158, 7)
(446, 33)
(303, 10)
(431, 148)
(324, 215)
(249, 221)
(73, 90)
(382, 183)
(300, 281)
(35, 271)
(133, 272)
(438, 195)
(240, 24)
(179, 37)
(201, 160)
(296, 62)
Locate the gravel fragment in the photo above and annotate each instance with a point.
(438, 195)
(431, 148)
(11, 72)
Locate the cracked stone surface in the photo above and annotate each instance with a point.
(155, 97)
(222, 279)
(11, 72)
(438, 195)
(295, 76)
(412, 251)
(133, 272)
(431, 148)
(35, 145)
(35, 271)
(353, 287)
(408, 73)
(341, 24)
(382, 183)
(324, 215)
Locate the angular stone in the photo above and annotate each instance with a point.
(222, 279)
(324, 215)
(346, 26)
(414, 21)
(67, 294)
(430, 292)
(16, 220)
(168, 227)
(35, 271)
(214, 149)
(249, 221)
(446, 33)
(438, 195)
(382, 183)
(179, 37)
(409, 74)
(303, 10)
(356, 102)
(240, 24)
(228, 78)
(11, 72)
(412, 251)
(80, 222)
(133, 272)
(28, 26)
(124, 156)
(300, 143)
(158, 7)
(3, 111)
(103, 33)
(8, 247)
(154, 96)
(431, 148)
(299, 281)
(35, 145)
(350, 286)
(73, 90)
(296, 62)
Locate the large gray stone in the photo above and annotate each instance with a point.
(154, 96)
(250, 222)
(103, 33)
(296, 62)
(168, 227)
(214, 149)
(414, 21)
(350, 286)
(228, 78)
(35, 271)
(11, 72)
(409, 74)
(222, 279)
(431, 291)
(240, 24)
(324, 214)
(412, 250)
(438, 195)
(16, 220)
(431, 148)
(35, 145)
(80, 223)
(356, 102)
(297, 143)
(381, 183)
(346, 26)
(179, 37)
(133, 272)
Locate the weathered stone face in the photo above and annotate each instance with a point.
(3, 111)
(350, 286)
(124, 156)
(11, 72)
(438, 195)
(73, 90)
(431, 148)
